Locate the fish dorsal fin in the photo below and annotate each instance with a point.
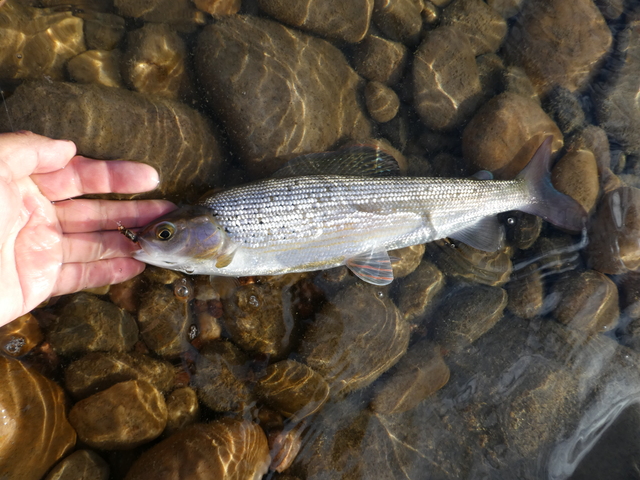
(486, 234)
(359, 160)
(374, 267)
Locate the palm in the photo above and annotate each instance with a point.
(50, 249)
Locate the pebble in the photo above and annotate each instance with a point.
(88, 324)
(34, 431)
(102, 31)
(346, 21)
(314, 102)
(399, 20)
(506, 132)
(101, 67)
(576, 175)
(80, 465)
(446, 84)
(558, 42)
(226, 449)
(418, 290)
(382, 102)
(381, 60)
(183, 409)
(485, 28)
(122, 417)
(20, 336)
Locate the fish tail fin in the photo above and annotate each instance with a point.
(547, 202)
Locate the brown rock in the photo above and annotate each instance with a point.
(122, 417)
(102, 31)
(348, 21)
(183, 409)
(112, 123)
(587, 301)
(20, 336)
(226, 449)
(382, 102)
(558, 42)
(88, 324)
(80, 465)
(418, 290)
(506, 132)
(399, 20)
(101, 67)
(446, 85)
(98, 371)
(576, 175)
(419, 374)
(293, 389)
(381, 60)
(34, 432)
(218, 8)
(312, 101)
(484, 27)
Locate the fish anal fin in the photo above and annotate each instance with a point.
(486, 234)
(374, 267)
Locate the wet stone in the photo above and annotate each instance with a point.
(399, 20)
(522, 229)
(122, 417)
(418, 291)
(558, 42)
(348, 21)
(221, 370)
(506, 132)
(154, 62)
(173, 133)
(80, 465)
(381, 60)
(34, 433)
(576, 175)
(182, 409)
(355, 338)
(446, 84)
(313, 101)
(101, 67)
(20, 336)
(586, 301)
(88, 324)
(419, 374)
(98, 371)
(526, 292)
(292, 389)
(484, 27)
(225, 449)
(409, 259)
(466, 314)
(102, 31)
(565, 109)
(382, 102)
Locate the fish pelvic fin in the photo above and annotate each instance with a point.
(547, 202)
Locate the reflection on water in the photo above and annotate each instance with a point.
(520, 363)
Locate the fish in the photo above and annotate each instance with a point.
(348, 207)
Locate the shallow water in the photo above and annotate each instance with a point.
(521, 363)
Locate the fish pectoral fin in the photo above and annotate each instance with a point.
(374, 267)
(486, 234)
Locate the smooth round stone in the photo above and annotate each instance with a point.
(357, 336)
(565, 109)
(506, 132)
(614, 232)
(80, 465)
(102, 31)
(418, 375)
(576, 175)
(347, 21)
(292, 389)
(558, 42)
(101, 67)
(399, 20)
(218, 8)
(224, 449)
(382, 102)
(381, 60)
(34, 431)
(88, 324)
(98, 371)
(586, 301)
(125, 416)
(526, 292)
(183, 409)
(466, 314)
(484, 27)
(418, 291)
(20, 336)
(408, 259)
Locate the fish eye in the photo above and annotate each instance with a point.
(165, 231)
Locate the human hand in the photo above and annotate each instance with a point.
(49, 249)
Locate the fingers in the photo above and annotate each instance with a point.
(80, 216)
(90, 247)
(25, 153)
(83, 176)
(74, 277)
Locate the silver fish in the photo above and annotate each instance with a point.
(319, 221)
